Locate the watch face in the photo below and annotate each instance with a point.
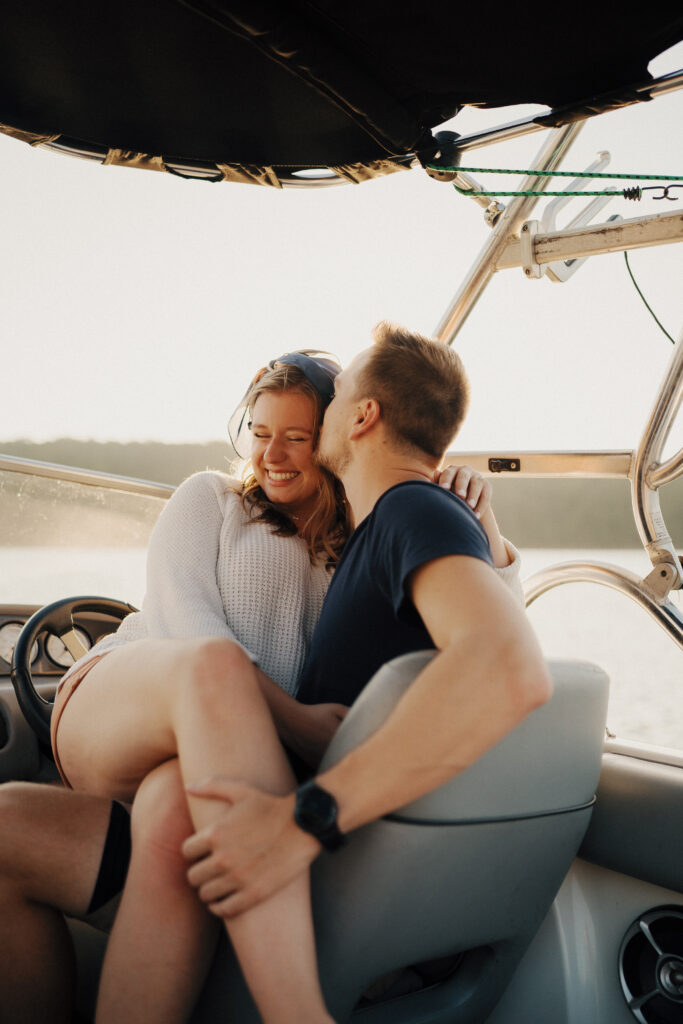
(315, 809)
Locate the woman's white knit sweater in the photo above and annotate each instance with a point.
(212, 572)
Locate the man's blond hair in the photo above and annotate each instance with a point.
(421, 386)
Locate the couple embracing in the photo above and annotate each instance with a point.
(202, 707)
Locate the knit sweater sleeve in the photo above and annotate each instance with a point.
(509, 574)
(182, 598)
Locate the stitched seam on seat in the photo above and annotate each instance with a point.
(489, 821)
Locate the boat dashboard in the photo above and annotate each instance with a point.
(49, 658)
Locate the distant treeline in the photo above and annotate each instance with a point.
(533, 512)
(145, 460)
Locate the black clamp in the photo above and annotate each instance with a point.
(447, 157)
(504, 465)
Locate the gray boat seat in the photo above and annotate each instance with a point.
(464, 873)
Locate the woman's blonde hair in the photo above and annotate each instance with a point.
(327, 528)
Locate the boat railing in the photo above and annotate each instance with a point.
(640, 467)
(662, 610)
(516, 241)
(648, 473)
(87, 477)
(643, 468)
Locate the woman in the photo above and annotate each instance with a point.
(250, 565)
(174, 681)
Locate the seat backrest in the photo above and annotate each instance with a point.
(550, 762)
(470, 869)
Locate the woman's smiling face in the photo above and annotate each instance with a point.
(283, 438)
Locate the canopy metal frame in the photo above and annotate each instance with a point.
(516, 241)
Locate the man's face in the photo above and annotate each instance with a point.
(334, 447)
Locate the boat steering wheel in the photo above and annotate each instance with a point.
(53, 618)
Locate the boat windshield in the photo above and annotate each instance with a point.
(63, 537)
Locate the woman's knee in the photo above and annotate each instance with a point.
(219, 670)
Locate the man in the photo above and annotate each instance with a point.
(416, 573)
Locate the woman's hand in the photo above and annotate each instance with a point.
(469, 485)
(473, 488)
(311, 733)
(305, 728)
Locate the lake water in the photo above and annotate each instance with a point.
(574, 621)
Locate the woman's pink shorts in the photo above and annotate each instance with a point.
(65, 691)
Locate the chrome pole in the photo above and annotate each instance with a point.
(535, 123)
(666, 572)
(667, 472)
(509, 223)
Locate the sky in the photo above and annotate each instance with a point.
(136, 306)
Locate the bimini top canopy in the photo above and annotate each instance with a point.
(253, 90)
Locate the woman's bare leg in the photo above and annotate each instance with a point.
(51, 844)
(160, 921)
(151, 700)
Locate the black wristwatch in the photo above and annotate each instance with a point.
(315, 812)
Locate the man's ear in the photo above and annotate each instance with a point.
(368, 414)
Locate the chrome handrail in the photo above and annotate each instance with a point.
(667, 472)
(90, 478)
(565, 464)
(621, 580)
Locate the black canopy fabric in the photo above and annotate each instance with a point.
(255, 86)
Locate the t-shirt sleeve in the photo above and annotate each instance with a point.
(182, 598)
(417, 525)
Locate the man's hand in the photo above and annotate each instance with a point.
(250, 852)
(469, 485)
(310, 735)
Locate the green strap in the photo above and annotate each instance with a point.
(560, 174)
(485, 192)
(628, 193)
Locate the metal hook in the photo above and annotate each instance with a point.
(665, 193)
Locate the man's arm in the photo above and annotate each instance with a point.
(488, 676)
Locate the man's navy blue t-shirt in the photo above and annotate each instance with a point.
(368, 617)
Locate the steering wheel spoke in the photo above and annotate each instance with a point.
(73, 644)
